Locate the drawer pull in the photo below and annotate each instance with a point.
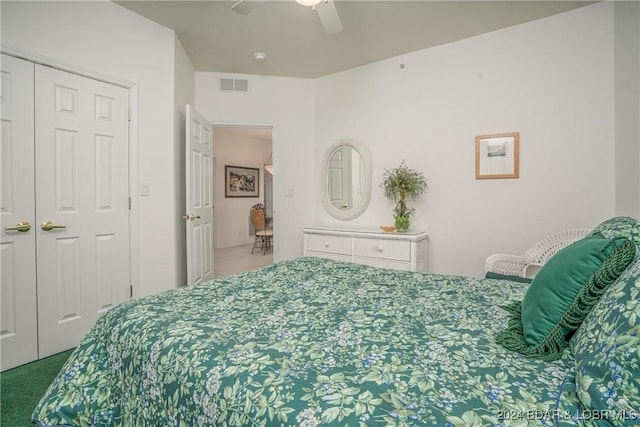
(326, 244)
(380, 248)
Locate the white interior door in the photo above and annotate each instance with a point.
(18, 325)
(340, 179)
(199, 198)
(81, 157)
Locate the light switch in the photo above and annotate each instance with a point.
(145, 188)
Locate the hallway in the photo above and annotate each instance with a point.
(234, 260)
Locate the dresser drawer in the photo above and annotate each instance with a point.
(384, 263)
(403, 251)
(329, 255)
(331, 244)
(382, 248)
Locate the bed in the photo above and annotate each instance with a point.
(313, 341)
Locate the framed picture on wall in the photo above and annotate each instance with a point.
(241, 182)
(497, 156)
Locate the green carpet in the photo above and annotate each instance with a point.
(21, 389)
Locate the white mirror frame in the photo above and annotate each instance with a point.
(365, 180)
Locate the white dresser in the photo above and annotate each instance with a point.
(402, 251)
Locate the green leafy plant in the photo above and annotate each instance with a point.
(401, 184)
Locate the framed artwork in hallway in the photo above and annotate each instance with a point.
(241, 181)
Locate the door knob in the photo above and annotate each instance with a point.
(22, 226)
(49, 225)
(190, 217)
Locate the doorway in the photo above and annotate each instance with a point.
(244, 147)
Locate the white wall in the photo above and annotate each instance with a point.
(627, 93)
(551, 80)
(184, 92)
(105, 38)
(287, 105)
(236, 146)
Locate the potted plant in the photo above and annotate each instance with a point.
(400, 184)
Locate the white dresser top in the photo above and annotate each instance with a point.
(367, 233)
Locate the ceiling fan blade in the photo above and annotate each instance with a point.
(329, 18)
(244, 7)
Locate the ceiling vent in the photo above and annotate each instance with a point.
(234, 85)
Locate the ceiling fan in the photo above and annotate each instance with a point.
(326, 12)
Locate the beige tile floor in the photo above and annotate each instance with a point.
(238, 259)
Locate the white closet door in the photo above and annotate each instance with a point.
(18, 327)
(82, 190)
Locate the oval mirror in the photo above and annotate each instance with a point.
(346, 179)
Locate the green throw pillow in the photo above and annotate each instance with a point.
(562, 294)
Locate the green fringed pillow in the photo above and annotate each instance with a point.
(562, 294)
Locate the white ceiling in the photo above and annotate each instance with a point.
(220, 40)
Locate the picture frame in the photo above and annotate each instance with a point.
(240, 181)
(498, 156)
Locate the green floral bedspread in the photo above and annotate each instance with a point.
(309, 342)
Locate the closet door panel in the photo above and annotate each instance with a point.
(82, 189)
(18, 324)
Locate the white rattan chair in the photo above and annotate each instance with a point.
(528, 264)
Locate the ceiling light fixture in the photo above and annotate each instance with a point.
(259, 57)
(311, 3)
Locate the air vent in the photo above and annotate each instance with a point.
(226, 84)
(234, 85)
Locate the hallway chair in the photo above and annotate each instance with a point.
(264, 235)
